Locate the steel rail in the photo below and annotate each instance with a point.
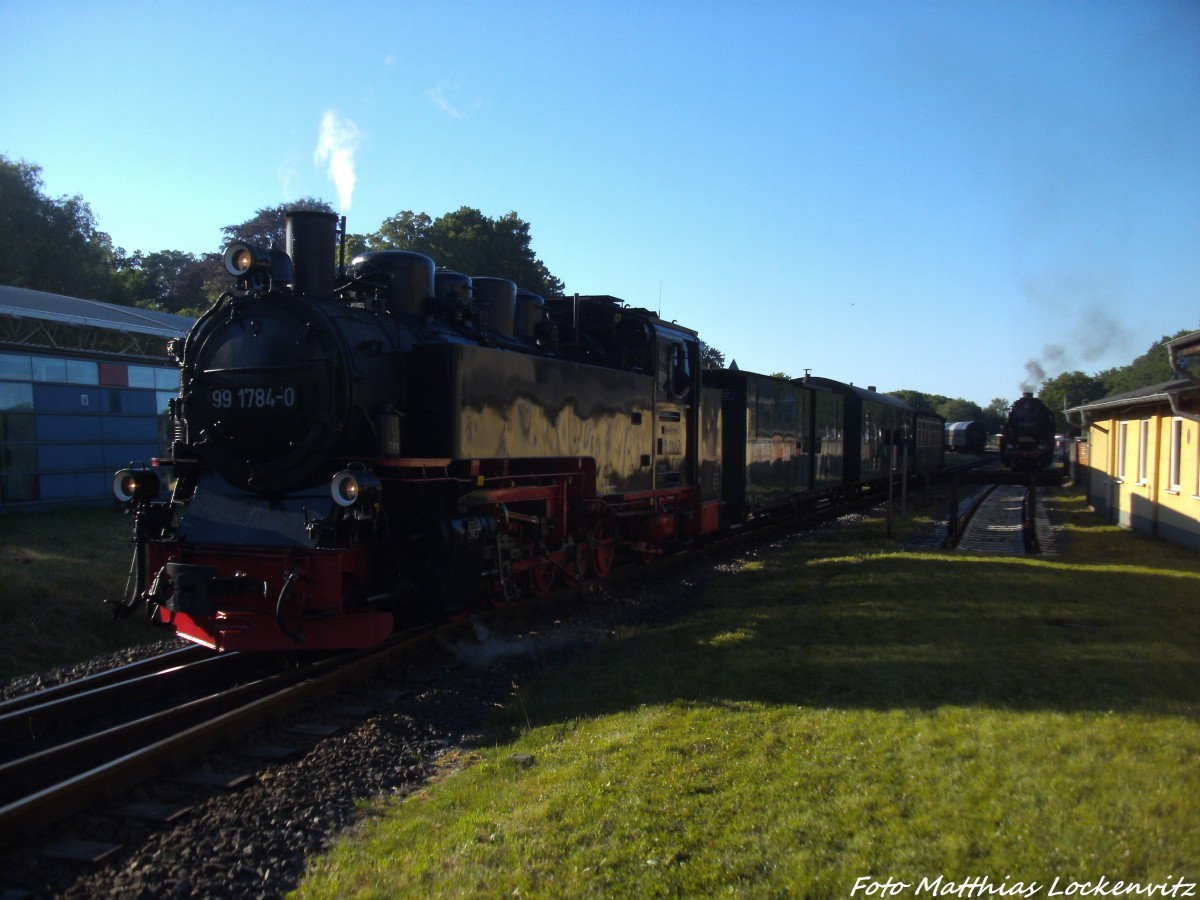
(170, 659)
(289, 691)
(42, 768)
(119, 701)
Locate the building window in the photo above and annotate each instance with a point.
(16, 397)
(166, 379)
(15, 367)
(82, 371)
(1176, 453)
(46, 368)
(1122, 444)
(18, 457)
(1143, 450)
(140, 376)
(65, 371)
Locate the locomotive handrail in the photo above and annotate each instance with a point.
(285, 594)
(242, 370)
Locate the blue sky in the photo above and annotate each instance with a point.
(923, 195)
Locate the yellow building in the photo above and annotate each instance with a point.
(1143, 466)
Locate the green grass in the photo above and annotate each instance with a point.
(56, 568)
(834, 710)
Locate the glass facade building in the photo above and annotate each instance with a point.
(70, 414)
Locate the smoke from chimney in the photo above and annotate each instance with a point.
(337, 142)
(1093, 333)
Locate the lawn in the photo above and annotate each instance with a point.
(837, 709)
(56, 569)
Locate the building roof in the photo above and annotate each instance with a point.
(1184, 352)
(23, 303)
(1164, 392)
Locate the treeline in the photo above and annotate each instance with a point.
(955, 409)
(56, 245)
(1065, 391)
(1071, 389)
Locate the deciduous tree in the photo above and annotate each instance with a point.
(469, 242)
(50, 244)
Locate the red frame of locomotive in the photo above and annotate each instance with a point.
(309, 585)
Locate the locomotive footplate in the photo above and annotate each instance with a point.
(270, 601)
(195, 585)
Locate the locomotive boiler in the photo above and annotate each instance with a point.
(357, 444)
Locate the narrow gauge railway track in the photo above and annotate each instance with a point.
(76, 709)
(147, 666)
(1002, 519)
(66, 777)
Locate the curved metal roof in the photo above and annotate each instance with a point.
(865, 393)
(23, 303)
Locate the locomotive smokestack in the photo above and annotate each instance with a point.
(312, 244)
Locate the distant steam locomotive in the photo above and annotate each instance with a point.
(383, 440)
(1027, 440)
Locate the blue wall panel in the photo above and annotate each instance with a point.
(66, 398)
(137, 402)
(89, 485)
(129, 428)
(118, 455)
(68, 428)
(63, 457)
(75, 486)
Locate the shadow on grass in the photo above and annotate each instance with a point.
(910, 632)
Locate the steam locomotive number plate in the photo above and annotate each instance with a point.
(274, 397)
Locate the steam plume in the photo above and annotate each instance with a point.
(1034, 376)
(1094, 335)
(337, 142)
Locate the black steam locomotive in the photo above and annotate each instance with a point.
(353, 444)
(1027, 440)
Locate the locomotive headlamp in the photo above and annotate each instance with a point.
(241, 259)
(136, 483)
(354, 486)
